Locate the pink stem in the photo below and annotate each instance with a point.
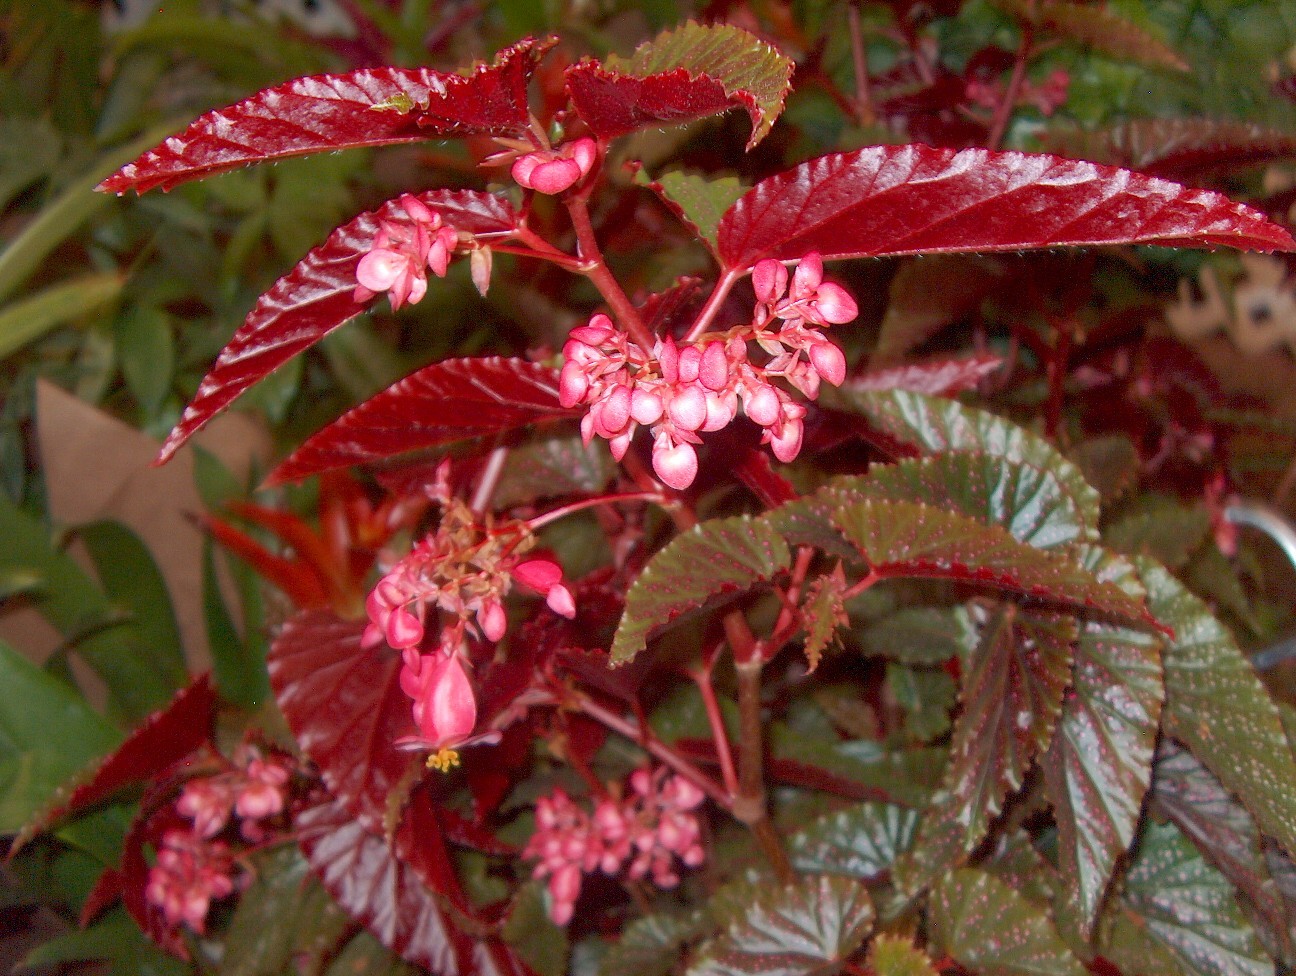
(598, 272)
(702, 677)
(718, 295)
(563, 511)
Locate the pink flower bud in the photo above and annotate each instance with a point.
(762, 406)
(807, 278)
(479, 263)
(403, 629)
(612, 413)
(259, 800)
(538, 574)
(492, 620)
(438, 255)
(676, 465)
(688, 408)
(786, 444)
(621, 443)
(560, 601)
(668, 360)
(419, 211)
(584, 152)
(713, 371)
(445, 709)
(720, 411)
(769, 279)
(829, 362)
(645, 406)
(572, 384)
(834, 305)
(565, 884)
(690, 364)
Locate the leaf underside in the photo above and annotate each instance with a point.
(898, 200)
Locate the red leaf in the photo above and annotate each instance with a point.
(378, 887)
(939, 377)
(164, 739)
(442, 403)
(687, 73)
(345, 707)
(298, 581)
(324, 113)
(313, 299)
(895, 200)
(614, 104)
(130, 880)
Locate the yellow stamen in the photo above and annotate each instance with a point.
(443, 761)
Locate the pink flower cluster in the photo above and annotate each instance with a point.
(643, 833)
(189, 873)
(681, 392)
(554, 170)
(402, 254)
(464, 572)
(192, 868)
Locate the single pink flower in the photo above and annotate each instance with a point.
(555, 170)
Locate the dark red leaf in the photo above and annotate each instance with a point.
(687, 73)
(324, 113)
(164, 739)
(445, 402)
(614, 104)
(316, 297)
(895, 200)
(939, 377)
(130, 880)
(345, 707)
(377, 887)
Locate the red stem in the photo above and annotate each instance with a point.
(702, 677)
(598, 272)
(1004, 110)
(859, 59)
(718, 295)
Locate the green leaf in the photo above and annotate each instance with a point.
(1101, 28)
(1012, 696)
(1188, 794)
(285, 913)
(68, 211)
(542, 945)
(906, 776)
(922, 635)
(740, 61)
(700, 201)
(651, 946)
(824, 612)
(908, 539)
(927, 696)
(1178, 915)
(894, 955)
(1027, 501)
(993, 931)
(146, 352)
(861, 841)
(551, 468)
(115, 940)
(239, 666)
(933, 425)
(132, 581)
(30, 318)
(74, 604)
(1097, 769)
(1218, 708)
(714, 559)
(808, 928)
(29, 150)
(1165, 531)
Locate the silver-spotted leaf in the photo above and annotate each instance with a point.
(994, 931)
(714, 559)
(807, 928)
(1098, 766)
(1218, 708)
(1177, 915)
(651, 946)
(861, 841)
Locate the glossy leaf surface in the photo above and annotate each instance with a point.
(1217, 706)
(1188, 794)
(940, 377)
(345, 708)
(449, 401)
(1178, 914)
(1025, 500)
(1097, 769)
(994, 931)
(910, 422)
(714, 559)
(325, 113)
(808, 928)
(909, 539)
(316, 297)
(896, 200)
(687, 73)
(378, 888)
